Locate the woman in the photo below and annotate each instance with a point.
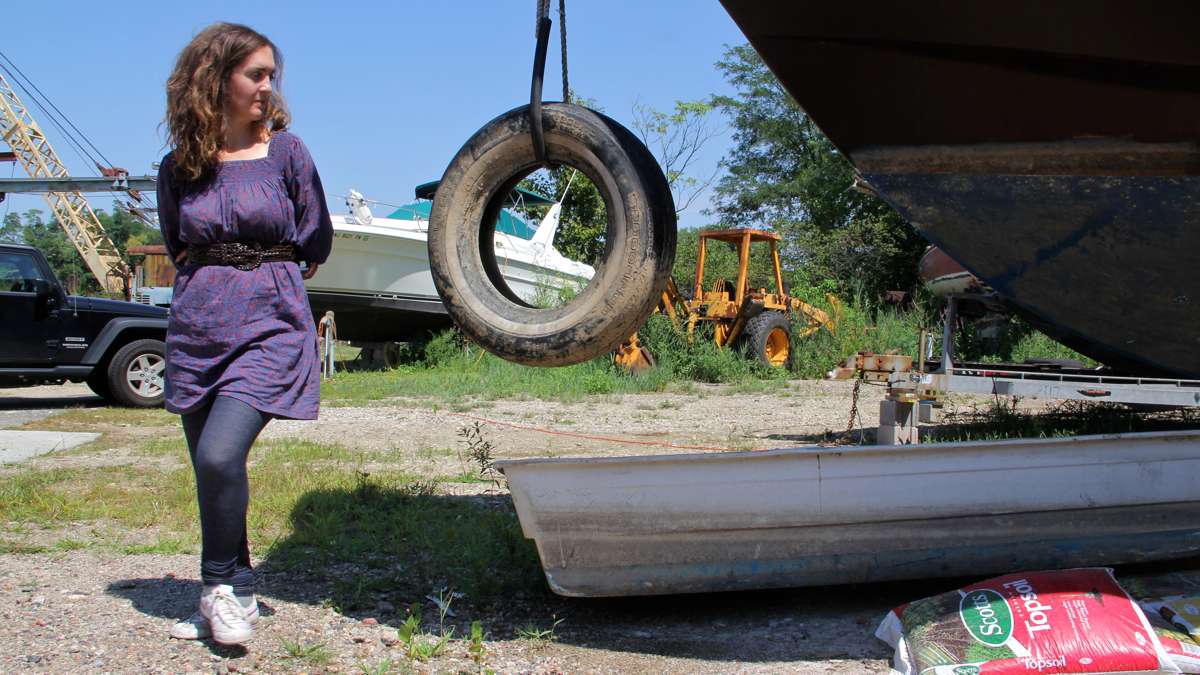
(240, 205)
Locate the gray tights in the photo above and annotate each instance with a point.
(219, 437)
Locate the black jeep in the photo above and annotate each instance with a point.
(49, 337)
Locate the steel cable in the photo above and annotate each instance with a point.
(63, 115)
(562, 37)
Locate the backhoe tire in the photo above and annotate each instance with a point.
(769, 338)
(136, 374)
(639, 242)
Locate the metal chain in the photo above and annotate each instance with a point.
(853, 408)
(562, 37)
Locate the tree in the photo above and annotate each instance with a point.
(47, 236)
(583, 222)
(11, 229)
(720, 262)
(676, 139)
(782, 173)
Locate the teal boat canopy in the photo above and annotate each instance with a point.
(518, 195)
(508, 222)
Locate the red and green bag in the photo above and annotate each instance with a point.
(1054, 622)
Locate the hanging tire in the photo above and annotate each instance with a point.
(769, 338)
(136, 374)
(639, 242)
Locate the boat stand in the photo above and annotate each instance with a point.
(914, 390)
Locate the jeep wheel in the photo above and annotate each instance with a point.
(98, 382)
(135, 374)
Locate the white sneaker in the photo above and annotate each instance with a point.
(196, 627)
(220, 616)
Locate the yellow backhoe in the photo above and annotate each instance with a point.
(763, 320)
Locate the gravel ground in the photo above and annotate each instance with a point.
(90, 611)
(80, 612)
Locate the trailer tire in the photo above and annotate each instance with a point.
(630, 277)
(769, 338)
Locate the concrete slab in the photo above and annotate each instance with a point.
(17, 446)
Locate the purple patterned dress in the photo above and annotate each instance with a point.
(248, 335)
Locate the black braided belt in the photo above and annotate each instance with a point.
(244, 256)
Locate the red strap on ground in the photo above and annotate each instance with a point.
(590, 437)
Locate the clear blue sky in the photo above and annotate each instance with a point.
(383, 93)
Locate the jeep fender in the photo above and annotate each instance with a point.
(113, 330)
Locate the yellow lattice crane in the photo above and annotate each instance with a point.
(19, 130)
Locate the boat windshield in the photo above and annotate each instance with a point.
(508, 223)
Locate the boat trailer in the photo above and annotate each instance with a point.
(914, 391)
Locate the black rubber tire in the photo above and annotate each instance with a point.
(391, 356)
(118, 383)
(758, 331)
(98, 382)
(640, 240)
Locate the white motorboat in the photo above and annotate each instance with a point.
(377, 278)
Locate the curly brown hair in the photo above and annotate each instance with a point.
(196, 92)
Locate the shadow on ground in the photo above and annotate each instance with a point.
(11, 401)
(379, 549)
(172, 598)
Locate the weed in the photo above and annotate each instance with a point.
(382, 668)
(421, 646)
(68, 544)
(433, 453)
(314, 653)
(540, 636)
(481, 451)
(738, 440)
(475, 645)
(9, 547)
(162, 546)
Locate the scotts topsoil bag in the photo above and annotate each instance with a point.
(1069, 621)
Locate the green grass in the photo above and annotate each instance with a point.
(311, 505)
(474, 375)
(128, 495)
(1067, 418)
(17, 548)
(85, 419)
(313, 653)
(533, 633)
(383, 667)
(464, 377)
(475, 544)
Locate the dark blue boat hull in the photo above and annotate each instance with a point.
(1049, 147)
(1106, 264)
